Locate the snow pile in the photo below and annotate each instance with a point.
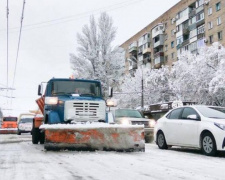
(88, 126)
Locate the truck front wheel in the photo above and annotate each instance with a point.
(35, 135)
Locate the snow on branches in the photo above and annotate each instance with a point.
(95, 58)
(199, 78)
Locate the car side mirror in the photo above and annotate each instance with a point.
(193, 116)
(39, 90)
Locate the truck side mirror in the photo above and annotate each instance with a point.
(39, 90)
(110, 92)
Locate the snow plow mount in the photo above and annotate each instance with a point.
(94, 137)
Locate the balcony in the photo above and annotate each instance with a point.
(158, 62)
(140, 51)
(192, 26)
(202, 35)
(200, 22)
(185, 42)
(157, 30)
(146, 50)
(186, 29)
(134, 66)
(157, 54)
(146, 60)
(179, 46)
(146, 40)
(192, 13)
(133, 49)
(199, 9)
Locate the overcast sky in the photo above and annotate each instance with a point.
(49, 36)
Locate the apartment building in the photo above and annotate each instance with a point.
(187, 26)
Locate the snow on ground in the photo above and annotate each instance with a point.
(20, 159)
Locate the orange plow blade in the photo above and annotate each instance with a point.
(8, 130)
(94, 137)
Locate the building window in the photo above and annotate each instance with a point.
(166, 47)
(186, 48)
(218, 20)
(210, 11)
(211, 39)
(172, 32)
(193, 33)
(201, 29)
(166, 58)
(166, 37)
(200, 16)
(199, 3)
(180, 39)
(219, 35)
(172, 44)
(173, 55)
(210, 25)
(218, 6)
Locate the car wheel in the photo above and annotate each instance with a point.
(35, 135)
(18, 132)
(208, 144)
(161, 141)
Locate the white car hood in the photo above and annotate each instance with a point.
(221, 121)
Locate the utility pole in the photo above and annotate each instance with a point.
(142, 90)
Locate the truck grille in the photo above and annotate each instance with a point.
(146, 123)
(86, 109)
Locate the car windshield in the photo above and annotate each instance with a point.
(10, 119)
(26, 120)
(83, 88)
(212, 112)
(127, 113)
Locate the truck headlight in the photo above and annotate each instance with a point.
(125, 121)
(221, 126)
(151, 123)
(51, 100)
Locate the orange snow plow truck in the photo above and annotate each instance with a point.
(75, 117)
(8, 125)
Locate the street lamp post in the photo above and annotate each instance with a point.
(142, 88)
(142, 92)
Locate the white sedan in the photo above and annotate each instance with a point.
(198, 126)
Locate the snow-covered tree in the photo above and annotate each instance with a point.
(199, 78)
(95, 58)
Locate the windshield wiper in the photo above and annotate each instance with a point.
(88, 94)
(61, 93)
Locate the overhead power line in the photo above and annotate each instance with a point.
(18, 47)
(7, 16)
(76, 16)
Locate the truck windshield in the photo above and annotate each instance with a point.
(10, 119)
(83, 88)
(127, 113)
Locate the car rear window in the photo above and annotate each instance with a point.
(127, 113)
(26, 120)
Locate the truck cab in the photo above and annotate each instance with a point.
(72, 101)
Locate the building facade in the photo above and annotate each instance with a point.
(187, 26)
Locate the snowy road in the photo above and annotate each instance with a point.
(20, 159)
